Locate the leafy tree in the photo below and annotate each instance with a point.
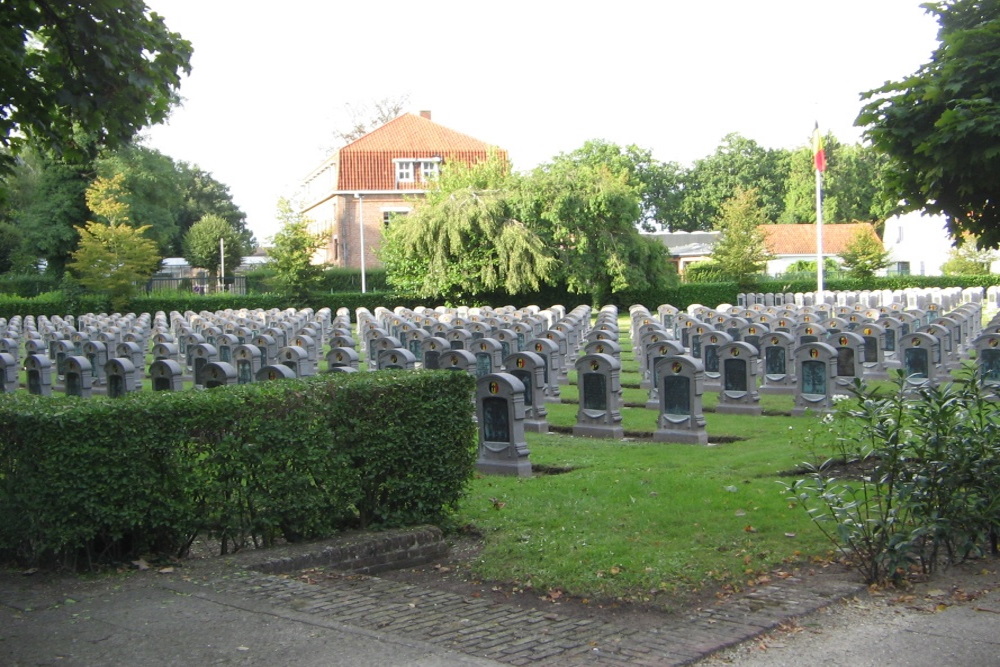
(830, 266)
(741, 251)
(202, 195)
(202, 241)
(152, 192)
(13, 259)
(738, 163)
(46, 204)
(853, 185)
(658, 182)
(941, 125)
(114, 256)
(100, 69)
(484, 229)
(587, 215)
(291, 253)
(968, 259)
(864, 255)
(468, 237)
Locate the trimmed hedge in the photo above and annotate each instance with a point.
(681, 296)
(83, 481)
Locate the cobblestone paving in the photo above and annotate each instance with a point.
(508, 634)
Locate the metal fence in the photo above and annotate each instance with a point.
(200, 285)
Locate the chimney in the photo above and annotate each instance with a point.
(425, 114)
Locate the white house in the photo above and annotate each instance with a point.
(918, 243)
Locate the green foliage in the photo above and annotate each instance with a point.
(741, 252)
(468, 237)
(587, 215)
(27, 285)
(939, 125)
(806, 266)
(864, 255)
(658, 183)
(929, 487)
(62, 65)
(737, 164)
(202, 245)
(293, 247)
(853, 185)
(149, 190)
(968, 259)
(113, 257)
(707, 271)
(50, 205)
(485, 230)
(294, 459)
(202, 195)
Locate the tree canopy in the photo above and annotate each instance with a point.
(483, 229)
(100, 69)
(940, 126)
(741, 252)
(202, 245)
(113, 256)
(468, 237)
(291, 253)
(46, 202)
(864, 255)
(738, 163)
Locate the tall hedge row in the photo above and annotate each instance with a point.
(86, 480)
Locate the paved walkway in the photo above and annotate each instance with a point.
(223, 612)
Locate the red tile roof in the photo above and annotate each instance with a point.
(367, 163)
(801, 239)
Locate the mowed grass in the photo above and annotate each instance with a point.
(653, 522)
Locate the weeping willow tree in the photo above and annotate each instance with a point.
(467, 237)
(485, 229)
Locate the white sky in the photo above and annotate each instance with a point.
(271, 82)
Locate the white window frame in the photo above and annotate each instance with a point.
(387, 211)
(404, 170)
(430, 169)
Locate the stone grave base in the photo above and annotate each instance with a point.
(599, 431)
(521, 468)
(536, 425)
(739, 409)
(776, 389)
(685, 437)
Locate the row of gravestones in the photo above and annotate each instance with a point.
(484, 342)
(812, 369)
(987, 350)
(946, 297)
(877, 336)
(504, 400)
(202, 350)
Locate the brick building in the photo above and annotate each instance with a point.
(352, 197)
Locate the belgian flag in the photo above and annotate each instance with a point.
(819, 155)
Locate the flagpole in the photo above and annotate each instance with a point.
(819, 235)
(819, 164)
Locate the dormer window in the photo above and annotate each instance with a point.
(407, 169)
(404, 171)
(428, 170)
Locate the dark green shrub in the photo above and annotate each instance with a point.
(929, 490)
(98, 479)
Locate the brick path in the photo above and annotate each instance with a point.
(508, 634)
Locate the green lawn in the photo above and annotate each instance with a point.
(646, 521)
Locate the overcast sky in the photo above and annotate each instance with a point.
(271, 82)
